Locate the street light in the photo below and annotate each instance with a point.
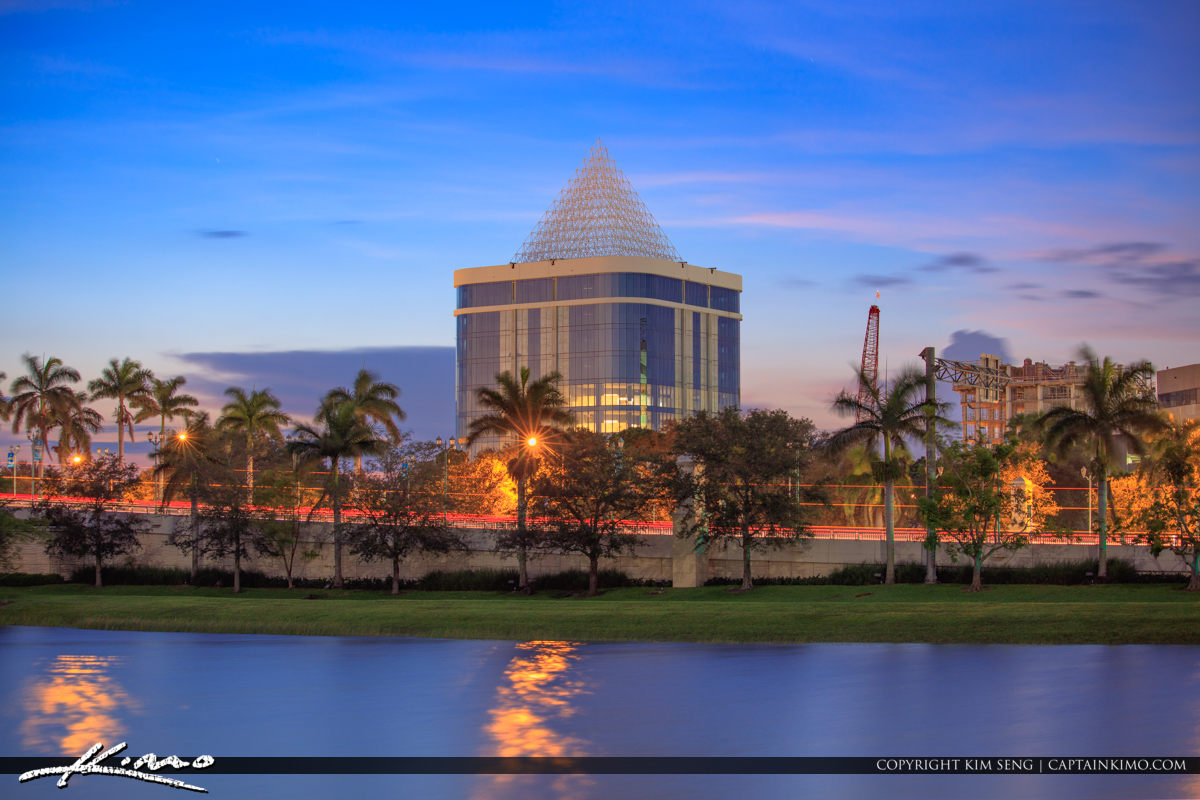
(452, 444)
(12, 464)
(155, 439)
(35, 457)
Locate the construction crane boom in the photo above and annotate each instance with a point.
(870, 365)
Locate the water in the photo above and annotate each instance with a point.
(62, 690)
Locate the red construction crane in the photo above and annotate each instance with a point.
(870, 364)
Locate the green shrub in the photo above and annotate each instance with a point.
(468, 580)
(30, 579)
(576, 580)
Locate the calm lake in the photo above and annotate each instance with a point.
(61, 690)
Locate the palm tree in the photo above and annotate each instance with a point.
(41, 397)
(342, 434)
(162, 400)
(184, 459)
(78, 422)
(124, 382)
(256, 416)
(890, 413)
(530, 413)
(371, 401)
(1117, 410)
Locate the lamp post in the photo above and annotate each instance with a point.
(155, 439)
(35, 457)
(12, 464)
(451, 444)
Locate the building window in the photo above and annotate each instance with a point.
(1056, 392)
(1184, 397)
(535, 290)
(695, 294)
(725, 299)
(474, 295)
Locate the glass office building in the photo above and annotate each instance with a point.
(599, 295)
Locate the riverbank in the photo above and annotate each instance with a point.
(1014, 614)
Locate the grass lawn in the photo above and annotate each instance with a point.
(1014, 614)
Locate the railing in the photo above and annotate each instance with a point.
(500, 522)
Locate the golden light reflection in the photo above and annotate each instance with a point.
(537, 690)
(535, 695)
(75, 704)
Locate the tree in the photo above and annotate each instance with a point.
(1170, 512)
(743, 464)
(1118, 409)
(481, 486)
(41, 397)
(280, 536)
(14, 531)
(256, 416)
(163, 400)
(124, 382)
(341, 434)
(591, 485)
(984, 502)
(93, 530)
(531, 414)
(228, 524)
(372, 401)
(402, 509)
(187, 461)
(77, 423)
(889, 415)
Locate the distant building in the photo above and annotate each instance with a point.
(1032, 388)
(1179, 391)
(599, 294)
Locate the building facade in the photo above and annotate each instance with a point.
(1010, 390)
(598, 295)
(1179, 392)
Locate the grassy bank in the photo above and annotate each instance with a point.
(1111, 614)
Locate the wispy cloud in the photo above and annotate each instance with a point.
(868, 281)
(967, 262)
(221, 234)
(1139, 264)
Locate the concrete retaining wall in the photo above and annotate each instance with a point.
(657, 558)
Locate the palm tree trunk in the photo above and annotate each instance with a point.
(747, 580)
(522, 554)
(121, 431)
(195, 531)
(889, 523)
(1102, 572)
(249, 477)
(337, 529)
(889, 513)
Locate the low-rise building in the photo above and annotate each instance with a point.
(1179, 391)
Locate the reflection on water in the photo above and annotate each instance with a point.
(537, 689)
(74, 704)
(535, 693)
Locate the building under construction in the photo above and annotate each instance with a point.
(992, 393)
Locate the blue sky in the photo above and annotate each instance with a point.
(182, 181)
